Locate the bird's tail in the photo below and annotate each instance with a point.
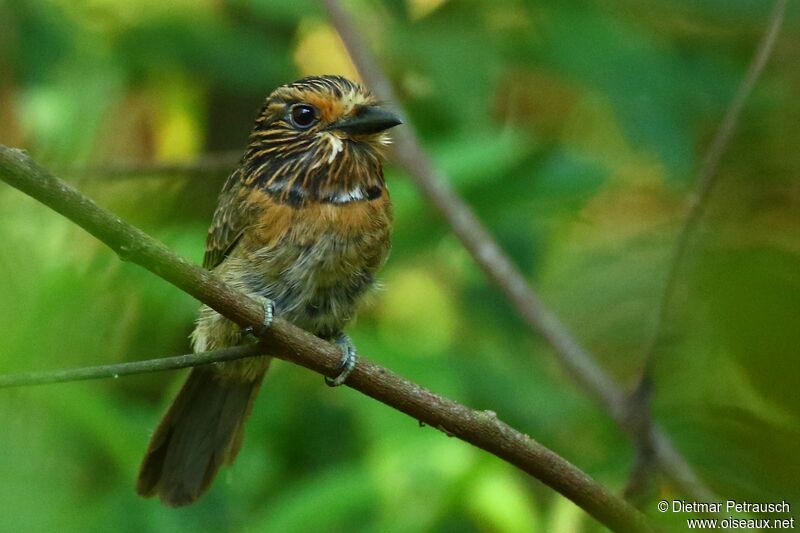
(201, 431)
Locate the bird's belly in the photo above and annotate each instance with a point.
(320, 289)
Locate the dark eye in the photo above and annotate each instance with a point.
(302, 115)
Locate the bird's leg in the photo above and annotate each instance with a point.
(348, 360)
(269, 316)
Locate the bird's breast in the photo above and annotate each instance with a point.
(315, 261)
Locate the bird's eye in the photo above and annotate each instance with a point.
(302, 116)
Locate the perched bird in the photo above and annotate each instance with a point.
(302, 225)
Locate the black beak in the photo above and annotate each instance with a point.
(368, 119)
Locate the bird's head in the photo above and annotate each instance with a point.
(319, 138)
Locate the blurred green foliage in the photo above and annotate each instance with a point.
(574, 128)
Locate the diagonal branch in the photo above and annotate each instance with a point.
(480, 428)
(640, 401)
(580, 364)
(708, 175)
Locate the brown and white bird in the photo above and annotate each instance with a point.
(302, 224)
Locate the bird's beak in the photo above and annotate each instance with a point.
(368, 119)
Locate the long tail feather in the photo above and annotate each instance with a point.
(201, 431)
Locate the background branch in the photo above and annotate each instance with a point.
(213, 164)
(580, 364)
(708, 177)
(480, 428)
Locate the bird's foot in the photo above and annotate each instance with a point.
(269, 317)
(348, 360)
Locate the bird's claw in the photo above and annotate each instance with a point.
(269, 317)
(348, 361)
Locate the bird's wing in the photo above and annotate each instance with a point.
(230, 220)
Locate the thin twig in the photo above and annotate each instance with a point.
(480, 428)
(580, 364)
(128, 369)
(708, 176)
